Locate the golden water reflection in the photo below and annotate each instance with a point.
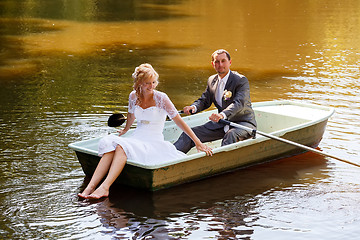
(264, 37)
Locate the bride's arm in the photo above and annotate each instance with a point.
(199, 145)
(169, 107)
(130, 118)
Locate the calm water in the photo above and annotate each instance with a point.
(66, 65)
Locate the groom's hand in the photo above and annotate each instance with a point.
(215, 117)
(189, 110)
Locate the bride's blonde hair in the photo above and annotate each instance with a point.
(142, 73)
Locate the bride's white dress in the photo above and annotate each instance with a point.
(146, 145)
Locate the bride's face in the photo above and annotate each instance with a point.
(149, 85)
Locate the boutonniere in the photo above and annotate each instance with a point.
(227, 95)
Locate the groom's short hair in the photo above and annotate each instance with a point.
(220, 51)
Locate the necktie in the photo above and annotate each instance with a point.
(219, 92)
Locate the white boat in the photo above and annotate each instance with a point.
(298, 122)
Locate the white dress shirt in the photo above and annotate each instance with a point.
(221, 87)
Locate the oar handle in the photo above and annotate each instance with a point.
(250, 130)
(182, 112)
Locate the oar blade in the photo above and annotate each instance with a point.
(116, 120)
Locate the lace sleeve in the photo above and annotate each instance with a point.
(132, 102)
(165, 103)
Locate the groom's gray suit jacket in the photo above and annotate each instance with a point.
(237, 109)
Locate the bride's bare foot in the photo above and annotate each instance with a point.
(100, 192)
(88, 190)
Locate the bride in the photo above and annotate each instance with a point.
(146, 145)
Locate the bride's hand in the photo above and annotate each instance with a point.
(121, 132)
(204, 148)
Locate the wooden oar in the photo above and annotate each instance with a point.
(117, 119)
(285, 141)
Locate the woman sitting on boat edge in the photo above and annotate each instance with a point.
(150, 107)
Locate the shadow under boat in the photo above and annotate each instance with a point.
(304, 169)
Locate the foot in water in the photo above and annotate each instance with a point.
(98, 193)
(86, 192)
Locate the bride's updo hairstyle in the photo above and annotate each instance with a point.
(142, 73)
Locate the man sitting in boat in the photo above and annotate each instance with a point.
(230, 92)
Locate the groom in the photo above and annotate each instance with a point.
(230, 92)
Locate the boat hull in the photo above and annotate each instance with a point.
(227, 158)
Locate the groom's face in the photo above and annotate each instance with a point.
(221, 64)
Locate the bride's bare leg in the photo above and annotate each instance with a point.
(117, 165)
(100, 172)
